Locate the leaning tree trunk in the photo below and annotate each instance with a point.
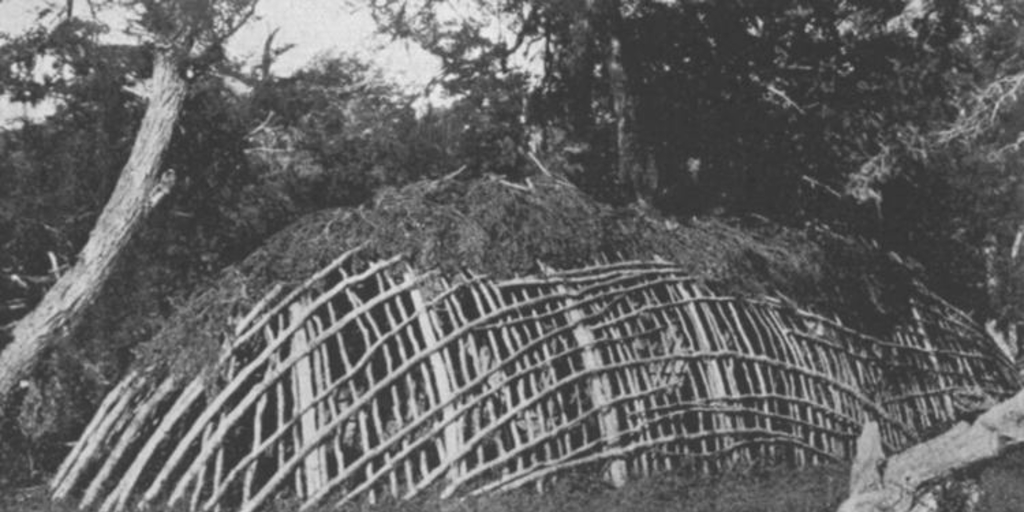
(139, 188)
(909, 481)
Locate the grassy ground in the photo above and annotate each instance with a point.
(806, 490)
(817, 489)
(1003, 484)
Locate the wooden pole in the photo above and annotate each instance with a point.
(600, 390)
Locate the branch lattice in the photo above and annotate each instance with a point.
(373, 379)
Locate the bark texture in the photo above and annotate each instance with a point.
(632, 169)
(631, 162)
(139, 189)
(904, 482)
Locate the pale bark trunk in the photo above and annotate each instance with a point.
(632, 169)
(900, 483)
(139, 188)
(1003, 328)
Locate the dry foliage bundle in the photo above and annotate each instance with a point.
(500, 229)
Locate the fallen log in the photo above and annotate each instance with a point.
(908, 481)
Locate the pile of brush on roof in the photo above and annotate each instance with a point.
(499, 228)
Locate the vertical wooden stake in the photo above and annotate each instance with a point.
(442, 379)
(600, 390)
(303, 377)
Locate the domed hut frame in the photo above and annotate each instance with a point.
(371, 379)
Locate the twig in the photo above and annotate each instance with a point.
(54, 265)
(513, 185)
(817, 184)
(786, 100)
(261, 126)
(453, 174)
(540, 165)
(1017, 240)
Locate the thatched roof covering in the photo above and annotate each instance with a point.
(493, 227)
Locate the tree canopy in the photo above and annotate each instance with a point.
(839, 112)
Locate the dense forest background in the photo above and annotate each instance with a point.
(893, 122)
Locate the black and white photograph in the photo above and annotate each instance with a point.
(511, 255)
